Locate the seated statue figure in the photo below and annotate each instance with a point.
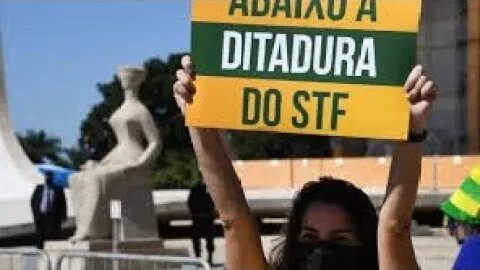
(122, 174)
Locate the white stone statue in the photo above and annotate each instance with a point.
(122, 174)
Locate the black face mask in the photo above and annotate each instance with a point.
(327, 255)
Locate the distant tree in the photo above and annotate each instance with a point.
(76, 157)
(177, 171)
(41, 147)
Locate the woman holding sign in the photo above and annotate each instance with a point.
(332, 225)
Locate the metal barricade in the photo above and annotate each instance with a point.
(23, 259)
(116, 261)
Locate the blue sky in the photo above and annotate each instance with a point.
(57, 51)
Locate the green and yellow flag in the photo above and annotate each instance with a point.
(464, 204)
(330, 67)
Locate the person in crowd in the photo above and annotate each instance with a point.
(49, 210)
(202, 211)
(468, 258)
(462, 210)
(332, 224)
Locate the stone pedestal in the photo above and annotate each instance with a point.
(140, 246)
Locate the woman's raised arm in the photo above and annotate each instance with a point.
(394, 238)
(243, 244)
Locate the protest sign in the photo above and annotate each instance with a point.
(330, 67)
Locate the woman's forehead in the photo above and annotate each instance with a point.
(326, 217)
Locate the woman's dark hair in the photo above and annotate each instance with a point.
(335, 191)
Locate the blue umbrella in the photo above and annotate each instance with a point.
(60, 174)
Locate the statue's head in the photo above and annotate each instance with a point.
(131, 77)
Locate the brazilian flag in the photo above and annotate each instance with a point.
(464, 204)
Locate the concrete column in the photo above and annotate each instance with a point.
(473, 83)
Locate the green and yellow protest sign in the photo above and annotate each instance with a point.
(332, 67)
